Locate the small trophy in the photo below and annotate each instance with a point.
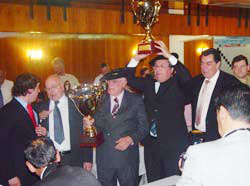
(146, 12)
(86, 97)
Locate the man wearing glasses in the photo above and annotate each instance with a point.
(165, 103)
(62, 122)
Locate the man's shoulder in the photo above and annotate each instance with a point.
(8, 82)
(227, 76)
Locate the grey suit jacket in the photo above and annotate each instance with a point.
(131, 120)
(78, 155)
(223, 162)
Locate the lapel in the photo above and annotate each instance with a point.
(164, 87)
(27, 122)
(217, 86)
(50, 168)
(45, 122)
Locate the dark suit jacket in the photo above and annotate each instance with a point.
(78, 155)
(167, 108)
(16, 129)
(192, 90)
(67, 176)
(131, 120)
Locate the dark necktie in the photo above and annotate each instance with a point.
(31, 114)
(58, 126)
(115, 108)
(1, 98)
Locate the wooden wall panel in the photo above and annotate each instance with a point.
(16, 18)
(82, 56)
(192, 58)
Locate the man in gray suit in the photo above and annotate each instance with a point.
(62, 122)
(226, 161)
(122, 119)
(41, 157)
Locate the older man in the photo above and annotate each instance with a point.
(59, 68)
(5, 89)
(226, 161)
(122, 118)
(240, 69)
(63, 123)
(19, 124)
(42, 159)
(164, 102)
(202, 90)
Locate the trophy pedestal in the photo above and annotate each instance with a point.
(87, 141)
(148, 48)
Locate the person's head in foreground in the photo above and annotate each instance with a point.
(233, 108)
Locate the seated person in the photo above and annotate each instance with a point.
(42, 156)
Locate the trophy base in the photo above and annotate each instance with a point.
(86, 141)
(148, 48)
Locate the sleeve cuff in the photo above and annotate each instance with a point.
(173, 60)
(133, 63)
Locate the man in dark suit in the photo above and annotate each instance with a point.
(164, 102)
(202, 90)
(63, 122)
(122, 118)
(18, 124)
(42, 156)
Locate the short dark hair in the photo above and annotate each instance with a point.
(40, 152)
(239, 58)
(23, 83)
(214, 52)
(236, 99)
(103, 65)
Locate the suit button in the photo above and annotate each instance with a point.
(155, 110)
(108, 134)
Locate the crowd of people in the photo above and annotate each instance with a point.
(40, 131)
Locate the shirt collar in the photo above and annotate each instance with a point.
(119, 97)
(22, 102)
(41, 176)
(61, 100)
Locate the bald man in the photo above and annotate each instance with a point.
(62, 122)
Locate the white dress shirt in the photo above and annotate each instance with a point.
(119, 97)
(6, 91)
(64, 110)
(210, 89)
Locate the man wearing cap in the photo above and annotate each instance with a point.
(164, 102)
(122, 119)
(104, 68)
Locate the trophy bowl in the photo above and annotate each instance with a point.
(86, 97)
(146, 12)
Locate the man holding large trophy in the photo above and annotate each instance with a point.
(121, 116)
(163, 98)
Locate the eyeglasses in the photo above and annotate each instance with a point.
(52, 88)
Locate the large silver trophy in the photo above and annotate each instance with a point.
(86, 97)
(146, 12)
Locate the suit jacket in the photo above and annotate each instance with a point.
(16, 129)
(192, 90)
(67, 176)
(223, 162)
(131, 120)
(167, 108)
(78, 155)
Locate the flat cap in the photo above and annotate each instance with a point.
(115, 74)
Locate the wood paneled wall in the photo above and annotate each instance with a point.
(82, 56)
(89, 20)
(192, 56)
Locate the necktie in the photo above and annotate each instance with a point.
(115, 108)
(201, 103)
(31, 113)
(58, 126)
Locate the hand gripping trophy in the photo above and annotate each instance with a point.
(146, 12)
(86, 97)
